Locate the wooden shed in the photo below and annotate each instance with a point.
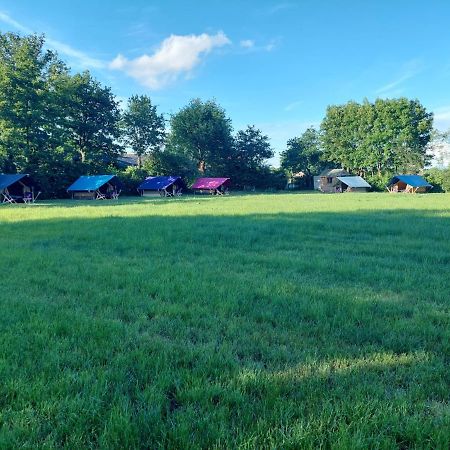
(328, 181)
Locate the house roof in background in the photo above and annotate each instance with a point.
(209, 183)
(128, 160)
(334, 173)
(90, 182)
(157, 183)
(354, 182)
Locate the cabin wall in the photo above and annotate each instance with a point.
(316, 183)
(355, 189)
(146, 193)
(326, 186)
(83, 195)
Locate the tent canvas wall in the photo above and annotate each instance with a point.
(160, 186)
(94, 186)
(354, 184)
(17, 186)
(211, 185)
(408, 184)
(328, 181)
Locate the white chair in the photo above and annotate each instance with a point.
(99, 196)
(7, 197)
(115, 194)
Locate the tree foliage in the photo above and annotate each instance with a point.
(143, 127)
(303, 155)
(203, 132)
(251, 150)
(384, 136)
(57, 125)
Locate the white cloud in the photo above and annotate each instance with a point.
(292, 106)
(247, 43)
(10, 21)
(176, 55)
(250, 45)
(76, 57)
(442, 118)
(408, 71)
(280, 7)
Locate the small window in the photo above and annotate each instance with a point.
(329, 180)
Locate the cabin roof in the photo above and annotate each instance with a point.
(354, 182)
(157, 183)
(412, 180)
(208, 183)
(90, 182)
(7, 180)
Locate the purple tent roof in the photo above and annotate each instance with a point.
(209, 183)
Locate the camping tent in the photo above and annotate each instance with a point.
(160, 186)
(215, 186)
(408, 183)
(17, 187)
(354, 184)
(95, 187)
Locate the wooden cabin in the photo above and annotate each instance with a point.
(328, 181)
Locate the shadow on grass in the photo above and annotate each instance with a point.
(259, 330)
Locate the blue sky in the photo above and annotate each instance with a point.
(275, 64)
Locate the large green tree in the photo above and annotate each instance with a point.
(92, 121)
(28, 127)
(203, 132)
(303, 154)
(250, 152)
(380, 137)
(143, 127)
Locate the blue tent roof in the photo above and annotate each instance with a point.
(412, 180)
(8, 180)
(90, 183)
(157, 183)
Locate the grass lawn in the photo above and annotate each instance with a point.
(258, 321)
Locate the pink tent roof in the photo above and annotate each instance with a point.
(208, 183)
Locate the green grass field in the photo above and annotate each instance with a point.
(259, 321)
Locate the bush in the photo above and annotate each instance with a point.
(131, 178)
(439, 178)
(378, 182)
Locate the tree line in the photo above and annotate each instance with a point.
(57, 125)
(374, 140)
